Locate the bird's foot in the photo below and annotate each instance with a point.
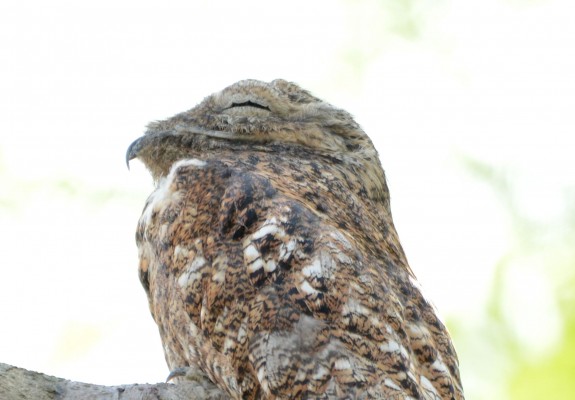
(200, 386)
(189, 374)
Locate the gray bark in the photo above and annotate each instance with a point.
(21, 384)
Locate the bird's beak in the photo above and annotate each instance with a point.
(133, 150)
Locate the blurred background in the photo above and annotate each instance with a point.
(470, 104)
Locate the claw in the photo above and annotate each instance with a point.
(178, 372)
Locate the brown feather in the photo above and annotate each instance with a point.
(270, 258)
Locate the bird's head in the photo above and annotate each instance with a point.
(251, 115)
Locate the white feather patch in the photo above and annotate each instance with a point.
(341, 364)
(313, 269)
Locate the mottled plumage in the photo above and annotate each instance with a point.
(270, 259)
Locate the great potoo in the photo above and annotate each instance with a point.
(270, 258)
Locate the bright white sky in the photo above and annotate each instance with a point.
(494, 80)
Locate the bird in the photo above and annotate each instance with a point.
(270, 259)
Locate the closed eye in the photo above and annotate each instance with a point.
(249, 104)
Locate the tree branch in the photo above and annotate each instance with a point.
(19, 383)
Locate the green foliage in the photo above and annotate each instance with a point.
(545, 248)
(550, 376)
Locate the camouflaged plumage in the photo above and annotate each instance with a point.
(270, 258)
